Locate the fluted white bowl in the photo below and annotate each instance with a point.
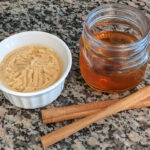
(43, 97)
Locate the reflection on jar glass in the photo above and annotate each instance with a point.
(114, 48)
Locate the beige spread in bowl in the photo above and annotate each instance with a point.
(30, 68)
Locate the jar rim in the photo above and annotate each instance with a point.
(122, 7)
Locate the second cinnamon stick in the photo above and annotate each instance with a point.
(82, 110)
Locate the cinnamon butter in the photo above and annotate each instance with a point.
(30, 68)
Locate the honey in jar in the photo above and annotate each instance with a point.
(114, 48)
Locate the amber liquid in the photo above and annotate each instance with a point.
(110, 78)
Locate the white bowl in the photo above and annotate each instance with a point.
(46, 96)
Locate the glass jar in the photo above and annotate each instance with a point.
(114, 48)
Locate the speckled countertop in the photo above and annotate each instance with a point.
(21, 129)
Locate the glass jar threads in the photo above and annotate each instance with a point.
(114, 48)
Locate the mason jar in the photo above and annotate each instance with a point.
(114, 48)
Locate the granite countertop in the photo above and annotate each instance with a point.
(21, 129)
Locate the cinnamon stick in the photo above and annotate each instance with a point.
(118, 106)
(63, 111)
(70, 116)
(82, 110)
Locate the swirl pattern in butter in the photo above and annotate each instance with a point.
(30, 68)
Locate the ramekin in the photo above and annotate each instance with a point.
(43, 97)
